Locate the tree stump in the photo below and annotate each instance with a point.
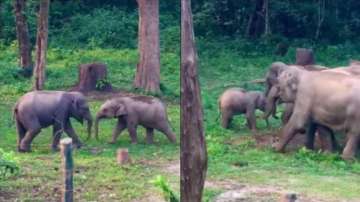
(304, 57)
(122, 156)
(92, 76)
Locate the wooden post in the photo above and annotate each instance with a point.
(67, 169)
(122, 156)
(304, 57)
(193, 158)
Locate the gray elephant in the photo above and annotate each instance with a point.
(39, 109)
(271, 80)
(131, 111)
(235, 101)
(326, 98)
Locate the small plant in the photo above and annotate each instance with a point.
(102, 84)
(8, 165)
(161, 183)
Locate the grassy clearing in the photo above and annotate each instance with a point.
(97, 176)
(233, 154)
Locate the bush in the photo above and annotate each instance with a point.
(8, 165)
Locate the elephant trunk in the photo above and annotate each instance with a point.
(97, 120)
(271, 99)
(89, 126)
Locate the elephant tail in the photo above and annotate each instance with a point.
(14, 114)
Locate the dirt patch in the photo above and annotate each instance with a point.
(234, 191)
(7, 196)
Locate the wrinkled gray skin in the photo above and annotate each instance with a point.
(326, 98)
(271, 80)
(40, 109)
(133, 111)
(236, 101)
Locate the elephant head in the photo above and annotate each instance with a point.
(271, 77)
(288, 85)
(110, 109)
(283, 91)
(260, 102)
(79, 110)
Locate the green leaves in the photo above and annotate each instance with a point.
(164, 186)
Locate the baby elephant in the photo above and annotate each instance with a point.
(39, 109)
(133, 110)
(237, 101)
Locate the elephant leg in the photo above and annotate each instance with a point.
(71, 133)
(287, 113)
(25, 145)
(150, 135)
(251, 120)
(132, 132)
(226, 118)
(120, 126)
(310, 136)
(327, 139)
(21, 133)
(351, 146)
(168, 132)
(57, 132)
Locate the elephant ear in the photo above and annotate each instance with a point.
(120, 110)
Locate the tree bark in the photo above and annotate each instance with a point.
(193, 158)
(148, 69)
(22, 33)
(41, 45)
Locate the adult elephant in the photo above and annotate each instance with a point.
(326, 98)
(39, 109)
(271, 90)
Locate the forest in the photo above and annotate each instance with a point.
(237, 43)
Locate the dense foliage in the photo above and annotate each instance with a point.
(84, 23)
(291, 19)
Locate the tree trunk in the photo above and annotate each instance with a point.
(267, 20)
(22, 33)
(193, 158)
(321, 17)
(148, 69)
(253, 26)
(41, 45)
(304, 57)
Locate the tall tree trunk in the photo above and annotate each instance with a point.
(193, 158)
(252, 29)
(22, 33)
(41, 45)
(321, 17)
(267, 20)
(148, 69)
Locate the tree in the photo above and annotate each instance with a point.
(41, 45)
(267, 20)
(22, 33)
(193, 158)
(148, 69)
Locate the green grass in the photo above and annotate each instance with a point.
(232, 152)
(97, 175)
